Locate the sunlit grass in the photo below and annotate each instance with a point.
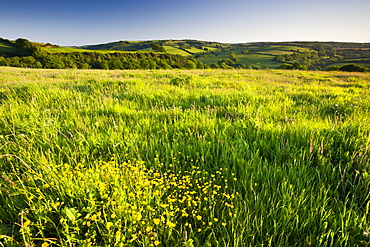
(184, 158)
(121, 203)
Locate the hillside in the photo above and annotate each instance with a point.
(313, 55)
(23, 53)
(260, 55)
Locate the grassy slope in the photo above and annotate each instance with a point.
(70, 49)
(195, 50)
(292, 146)
(5, 47)
(169, 49)
(176, 51)
(280, 50)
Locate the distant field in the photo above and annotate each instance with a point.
(195, 50)
(70, 49)
(257, 56)
(343, 49)
(291, 48)
(253, 59)
(212, 49)
(174, 50)
(259, 61)
(276, 52)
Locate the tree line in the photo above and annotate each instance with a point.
(320, 59)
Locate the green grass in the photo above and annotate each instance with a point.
(258, 60)
(171, 50)
(212, 48)
(289, 48)
(184, 158)
(71, 49)
(276, 52)
(5, 47)
(176, 51)
(195, 50)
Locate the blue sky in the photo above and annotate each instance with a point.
(81, 22)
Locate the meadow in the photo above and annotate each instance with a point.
(184, 158)
(255, 58)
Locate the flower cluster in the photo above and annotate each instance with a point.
(130, 203)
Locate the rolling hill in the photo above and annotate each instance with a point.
(257, 55)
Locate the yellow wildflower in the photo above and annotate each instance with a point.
(133, 237)
(45, 244)
(171, 224)
(109, 225)
(25, 224)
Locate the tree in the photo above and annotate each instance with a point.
(296, 65)
(115, 63)
(190, 65)
(104, 64)
(353, 68)
(299, 66)
(144, 64)
(279, 58)
(28, 62)
(30, 49)
(3, 61)
(159, 48)
(333, 68)
(53, 62)
(232, 56)
(223, 65)
(164, 65)
(199, 64)
(83, 66)
(215, 66)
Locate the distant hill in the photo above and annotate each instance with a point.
(189, 46)
(257, 55)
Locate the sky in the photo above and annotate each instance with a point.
(85, 22)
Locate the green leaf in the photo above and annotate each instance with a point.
(71, 213)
